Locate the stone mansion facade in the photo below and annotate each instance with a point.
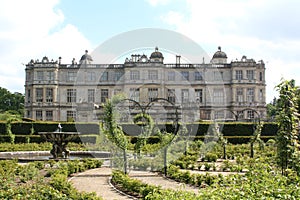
(205, 91)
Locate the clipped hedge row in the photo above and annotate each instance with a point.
(233, 128)
(38, 139)
(200, 129)
(135, 130)
(24, 128)
(235, 132)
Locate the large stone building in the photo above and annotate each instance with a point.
(204, 91)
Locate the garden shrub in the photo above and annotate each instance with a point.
(271, 142)
(211, 157)
(207, 166)
(172, 195)
(193, 179)
(132, 186)
(26, 182)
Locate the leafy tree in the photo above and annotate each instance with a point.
(287, 119)
(13, 102)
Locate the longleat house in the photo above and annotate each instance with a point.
(205, 91)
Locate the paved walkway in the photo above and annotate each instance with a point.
(96, 180)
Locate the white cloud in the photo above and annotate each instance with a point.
(173, 18)
(30, 30)
(257, 29)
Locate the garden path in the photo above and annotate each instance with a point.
(97, 180)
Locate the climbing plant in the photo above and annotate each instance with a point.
(287, 119)
(146, 123)
(111, 129)
(256, 138)
(9, 120)
(165, 139)
(221, 140)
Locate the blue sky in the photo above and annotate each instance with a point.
(100, 20)
(259, 29)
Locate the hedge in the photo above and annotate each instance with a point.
(135, 130)
(38, 139)
(21, 128)
(4, 138)
(233, 128)
(24, 128)
(2, 128)
(235, 132)
(269, 129)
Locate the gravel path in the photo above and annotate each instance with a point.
(96, 180)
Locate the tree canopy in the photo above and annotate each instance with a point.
(11, 102)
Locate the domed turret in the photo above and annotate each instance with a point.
(86, 58)
(45, 59)
(219, 57)
(156, 56)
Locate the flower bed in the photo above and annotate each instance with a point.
(42, 180)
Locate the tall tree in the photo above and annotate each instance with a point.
(287, 119)
(12, 102)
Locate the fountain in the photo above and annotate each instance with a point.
(59, 142)
(59, 150)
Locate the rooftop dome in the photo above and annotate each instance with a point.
(86, 58)
(45, 59)
(156, 54)
(219, 54)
